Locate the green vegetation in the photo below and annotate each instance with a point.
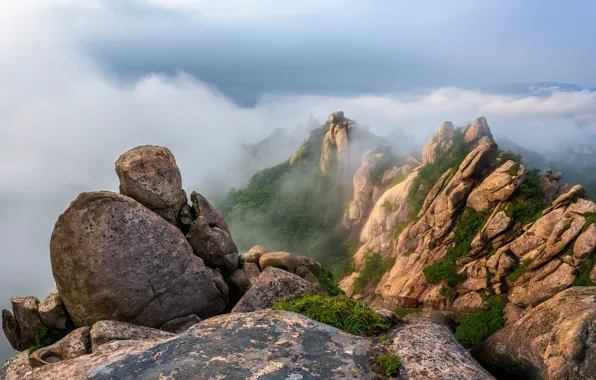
(374, 268)
(294, 208)
(565, 227)
(516, 274)
(388, 365)
(583, 277)
(466, 227)
(474, 328)
(429, 174)
(529, 201)
(327, 280)
(383, 163)
(343, 313)
(399, 178)
(402, 311)
(514, 169)
(508, 156)
(46, 337)
(383, 339)
(590, 219)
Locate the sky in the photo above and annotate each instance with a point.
(82, 81)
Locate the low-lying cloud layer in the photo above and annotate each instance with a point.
(63, 122)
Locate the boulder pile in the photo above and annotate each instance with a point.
(147, 258)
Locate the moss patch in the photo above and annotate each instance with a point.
(387, 365)
(343, 313)
(46, 337)
(529, 200)
(583, 277)
(475, 327)
(466, 227)
(516, 274)
(403, 311)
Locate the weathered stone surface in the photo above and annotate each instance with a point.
(106, 331)
(254, 254)
(563, 233)
(499, 223)
(263, 345)
(213, 244)
(542, 284)
(273, 285)
(474, 132)
(75, 344)
(569, 196)
(241, 280)
(498, 186)
(512, 313)
(441, 143)
(585, 243)
(468, 303)
(366, 187)
(22, 327)
(554, 341)
(430, 351)
(150, 175)
(537, 234)
(202, 207)
(53, 312)
(478, 160)
(281, 260)
(113, 259)
(180, 325)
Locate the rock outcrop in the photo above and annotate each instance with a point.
(22, 325)
(334, 156)
(150, 175)
(265, 344)
(424, 358)
(502, 245)
(273, 285)
(114, 259)
(554, 341)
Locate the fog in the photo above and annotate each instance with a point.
(69, 107)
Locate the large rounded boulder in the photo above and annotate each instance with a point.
(113, 259)
(149, 174)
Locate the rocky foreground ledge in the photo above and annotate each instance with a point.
(264, 344)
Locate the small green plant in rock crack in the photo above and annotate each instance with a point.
(388, 365)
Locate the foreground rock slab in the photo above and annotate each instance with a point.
(430, 351)
(554, 341)
(262, 345)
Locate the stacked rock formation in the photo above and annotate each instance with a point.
(148, 258)
(527, 261)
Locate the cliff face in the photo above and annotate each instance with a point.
(472, 222)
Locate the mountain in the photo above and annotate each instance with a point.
(463, 236)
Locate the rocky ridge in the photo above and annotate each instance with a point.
(149, 286)
(485, 229)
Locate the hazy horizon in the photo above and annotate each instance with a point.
(83, 81)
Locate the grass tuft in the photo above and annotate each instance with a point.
(327, 280)
(388, 365)
(475, 327)
(345, 314)
(516, 274)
